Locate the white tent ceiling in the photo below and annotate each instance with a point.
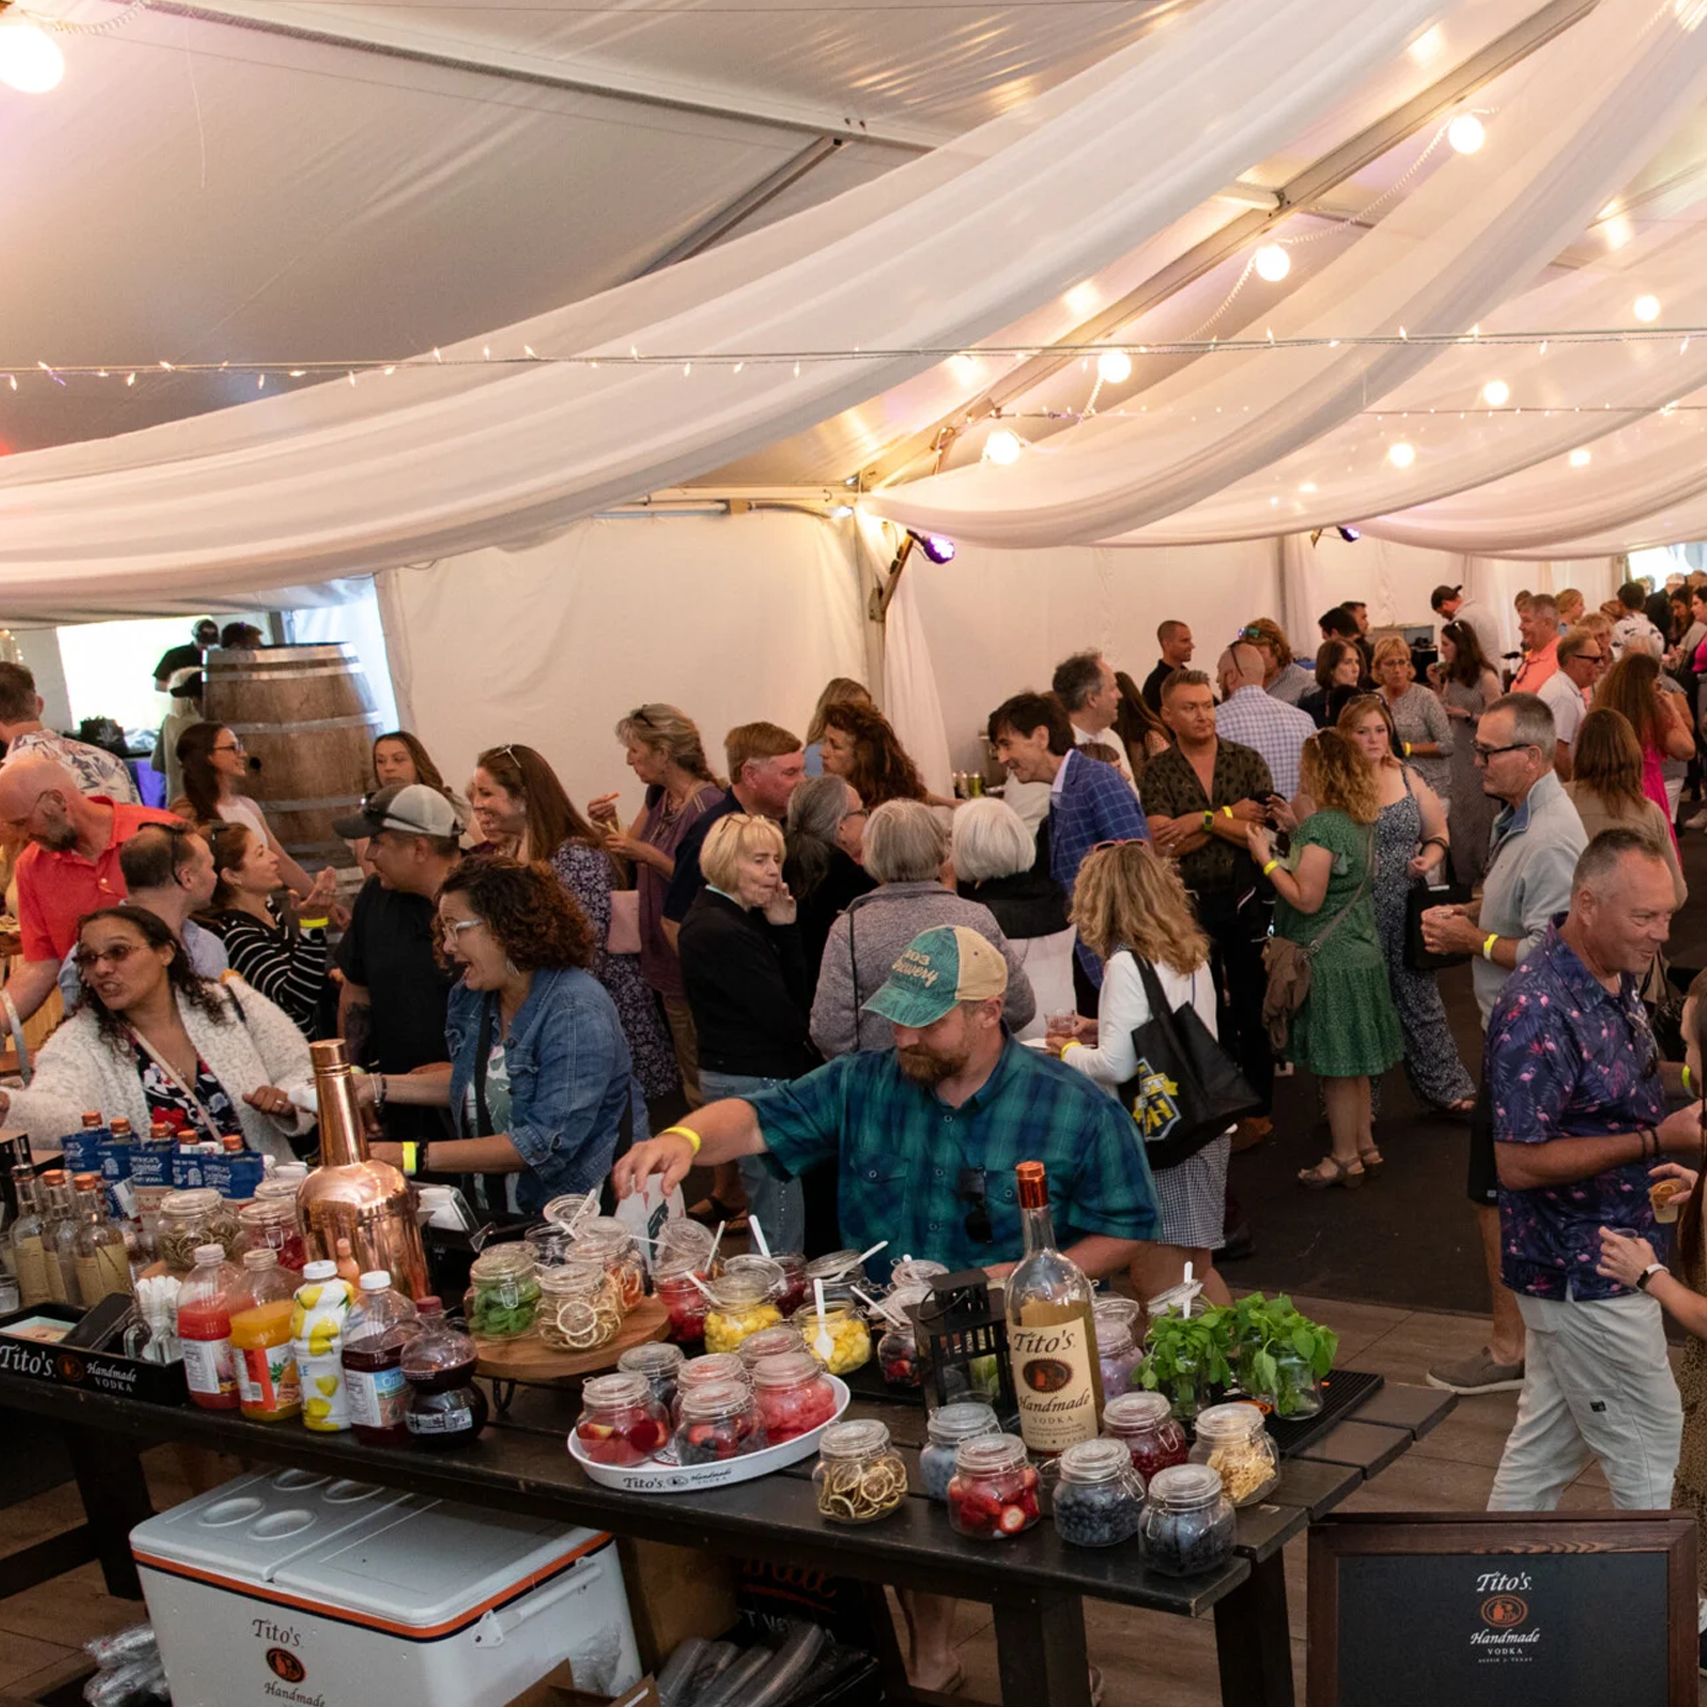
(313, 182)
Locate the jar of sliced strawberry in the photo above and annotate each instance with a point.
(994, 1491)
(621, 1423)
(678, 1286)
(719, 1421)
(793, 1394)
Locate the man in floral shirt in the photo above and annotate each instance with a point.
(1579, 1102)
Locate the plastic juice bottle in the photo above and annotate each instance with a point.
(268, 1386)
(382, 1323)
(445, 1407)
(317, 1334)
(204, 1328)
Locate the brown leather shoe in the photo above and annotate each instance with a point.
(1251, 1132)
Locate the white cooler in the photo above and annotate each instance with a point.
(291, 1588)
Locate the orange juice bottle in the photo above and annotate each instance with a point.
(268, 1385)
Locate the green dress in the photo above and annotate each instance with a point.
(1347, 1027)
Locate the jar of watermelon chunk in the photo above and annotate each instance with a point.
(994, 1491)
(621, 1422)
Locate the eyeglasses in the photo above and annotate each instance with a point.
(1122, 842)
(975, 1190)
(87, 959)
(235, 746)
(1485, 753)
(451, 929)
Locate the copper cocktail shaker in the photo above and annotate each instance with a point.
(350, 1196)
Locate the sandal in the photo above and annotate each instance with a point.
(1350, 1175)
(710, 1210)
(1373, 1161)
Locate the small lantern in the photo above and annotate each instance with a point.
(963, 1344)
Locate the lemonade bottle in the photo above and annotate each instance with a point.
(267, 1380)
(317, 1334)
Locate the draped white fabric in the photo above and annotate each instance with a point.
(1583, 116)
(944, 251)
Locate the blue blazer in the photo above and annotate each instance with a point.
(1096, 804)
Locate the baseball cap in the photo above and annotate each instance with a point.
(411, 807)
(1441, 594)
(938, 968)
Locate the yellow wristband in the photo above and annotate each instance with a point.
(411, 1157)
(1226, 811)
(682, 1132)
(1686, 1084)
(1407, 746)
(1488, 945)
(314, 924)
(1270, 867)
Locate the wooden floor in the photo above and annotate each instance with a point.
(1145, 1657)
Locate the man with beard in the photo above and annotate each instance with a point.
(70, 868)
(926, 1136)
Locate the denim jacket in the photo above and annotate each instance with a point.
(571, 1080)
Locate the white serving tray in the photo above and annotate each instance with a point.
(663, 1476)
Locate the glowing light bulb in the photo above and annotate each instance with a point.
(1002, 447)
(1496, 393)
(1646, 309)
(1114, 367)
(1272, 263)
(30, 60)
(1580, 458)
(1401, 455)
(1465, 134)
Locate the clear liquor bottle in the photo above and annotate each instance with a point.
(102, 1260)
(29, 1263)
(56, 1214)
(1051, 1331)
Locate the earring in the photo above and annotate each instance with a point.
(511, 969)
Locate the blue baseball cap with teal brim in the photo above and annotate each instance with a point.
(938, 969)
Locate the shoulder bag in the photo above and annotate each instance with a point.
(1419, 957)
(1288, 964)
(1186, 1091)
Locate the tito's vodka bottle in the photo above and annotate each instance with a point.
(1051, 1332)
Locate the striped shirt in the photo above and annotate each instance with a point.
(288, 969)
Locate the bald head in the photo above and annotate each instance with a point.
(39, 797)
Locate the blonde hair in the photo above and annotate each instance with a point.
(1392, 647)
(838, 690)
(1128, 896)
(1266, 632)
(732, 836)
(1336, 775)
(668, 730)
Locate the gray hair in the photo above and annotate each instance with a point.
(904, 842)
(1531, 721)
(1607, 851)
(991, 840)
(1077, 678)
(817, 807)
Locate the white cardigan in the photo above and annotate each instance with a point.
(79, 1069)
(1123, 1007)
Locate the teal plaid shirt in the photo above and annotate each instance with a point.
(900, 1152)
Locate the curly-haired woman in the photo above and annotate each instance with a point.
(862, 749)
(152, 1041)
(541, 1082)
(1347, 1030)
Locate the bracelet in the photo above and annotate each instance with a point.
(682, 1132)
(1407, 746)
(1270, 867)
(1227, 812)
(1488, 946)
(411, 1157)
(1686, 1084)
(378, 1082)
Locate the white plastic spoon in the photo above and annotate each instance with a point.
(822, 1345)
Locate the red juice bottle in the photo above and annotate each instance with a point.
(380, 1324)
(204, 1329)
(445, 1407)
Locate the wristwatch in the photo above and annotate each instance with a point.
(1648, 1274)
(1209, 820)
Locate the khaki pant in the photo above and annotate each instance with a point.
(686, 1040)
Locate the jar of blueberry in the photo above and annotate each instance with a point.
(1187, 1525)
(947, 1427)
(1117, 1351)
(1099, 1497)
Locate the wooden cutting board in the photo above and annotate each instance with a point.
(531, 1360)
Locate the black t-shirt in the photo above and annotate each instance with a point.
(177, 658)
(688, 880)
(1152, 689)
(388, 949)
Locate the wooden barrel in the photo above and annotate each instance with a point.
(306, 713)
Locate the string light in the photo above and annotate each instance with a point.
(1580, 457)
(1272, 262)
(1646, 309)
(1401, 455)
(1465, 134)
(1003, 447)
(30, 60)
(1496, 393)
(1114, 367)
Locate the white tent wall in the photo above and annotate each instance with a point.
(733, 618)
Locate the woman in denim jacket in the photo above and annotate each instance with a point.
(541, 1084)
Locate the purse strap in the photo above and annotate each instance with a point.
(1333, 924)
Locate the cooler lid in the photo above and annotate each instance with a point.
(430, 1564)
(249, 1528)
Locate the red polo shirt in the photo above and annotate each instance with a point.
(1537, 667)
(55, 889)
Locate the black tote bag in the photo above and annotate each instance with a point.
(1419, 957)
(1186, 1091)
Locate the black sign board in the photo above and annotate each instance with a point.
(1522, 1609)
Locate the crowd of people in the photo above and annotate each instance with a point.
(862, 1003)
